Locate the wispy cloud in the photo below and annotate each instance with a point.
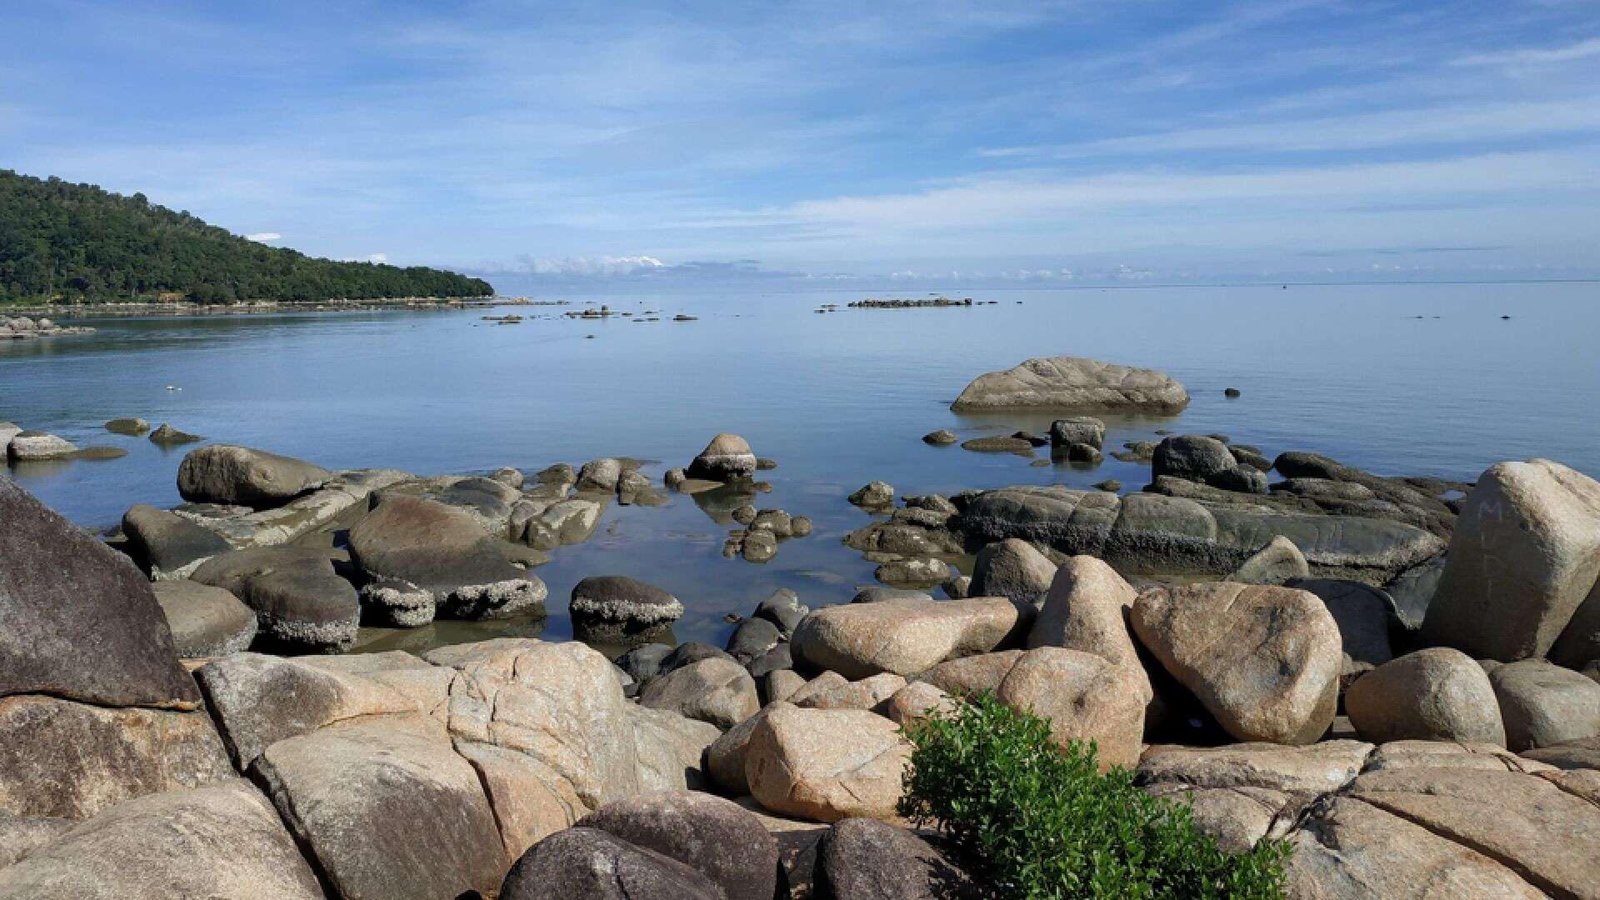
(1532, 56)
(1008, 137)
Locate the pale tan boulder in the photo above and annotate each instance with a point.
(904, 635)
(716, 690)
(918, 701)
(1544, 704)
(972, 674)
(1524, 555)
(221, 840)
(1264, 660)
(826, 764)
(864, 694)
(1085, 698)
(1437, 694)
(1086, 609)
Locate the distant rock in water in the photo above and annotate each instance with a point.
(130, 426)
(1069, 382)
(168, 435)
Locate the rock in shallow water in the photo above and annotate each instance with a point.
(726, 458)
(618, 609)
(1066, 382)
(225, 473)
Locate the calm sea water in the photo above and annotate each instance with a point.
(1416, 379)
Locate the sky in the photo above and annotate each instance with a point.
(939, 142)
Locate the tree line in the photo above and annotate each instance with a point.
(65, 242)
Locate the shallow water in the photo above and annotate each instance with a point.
(1412, 379)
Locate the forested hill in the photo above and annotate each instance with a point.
(78, 243)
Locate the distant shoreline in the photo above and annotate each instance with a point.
(150, 308)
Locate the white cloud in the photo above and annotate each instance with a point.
(589, 265)
(379, 258)
(262, 237)
(1534, 55)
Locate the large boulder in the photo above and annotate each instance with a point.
(1365, 615)
(711, 835)
(1012, 568)
(168, 545)
(81, 622)
(442, 550)
(1085, 698)
(222, 840)
(1192, 457)
(1525, 554)
(596, 865)
(225, 473)
(1544, 704)
(1162, 534)
(715, 690)
(68, 760)
(300, 602)
(1264, 660)
(388, 808)
(1086, 609)
(726, 458)
(865, 859)
(904, 635)
(621, 610)
(826, 764)
(205, 620)
(1068, 382)
(1437, 694)
(1279, 561)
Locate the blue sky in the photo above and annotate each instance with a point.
(840, 142)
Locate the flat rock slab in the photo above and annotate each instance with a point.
(205, 620)
(1549, 837)
(1353, 849)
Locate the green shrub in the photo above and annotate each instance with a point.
(1034, 821)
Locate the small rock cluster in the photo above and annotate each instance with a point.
(23, 328)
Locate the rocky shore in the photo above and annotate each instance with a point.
(22, 328)
(1397, 678)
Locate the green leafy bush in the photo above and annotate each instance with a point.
(1037, 822)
